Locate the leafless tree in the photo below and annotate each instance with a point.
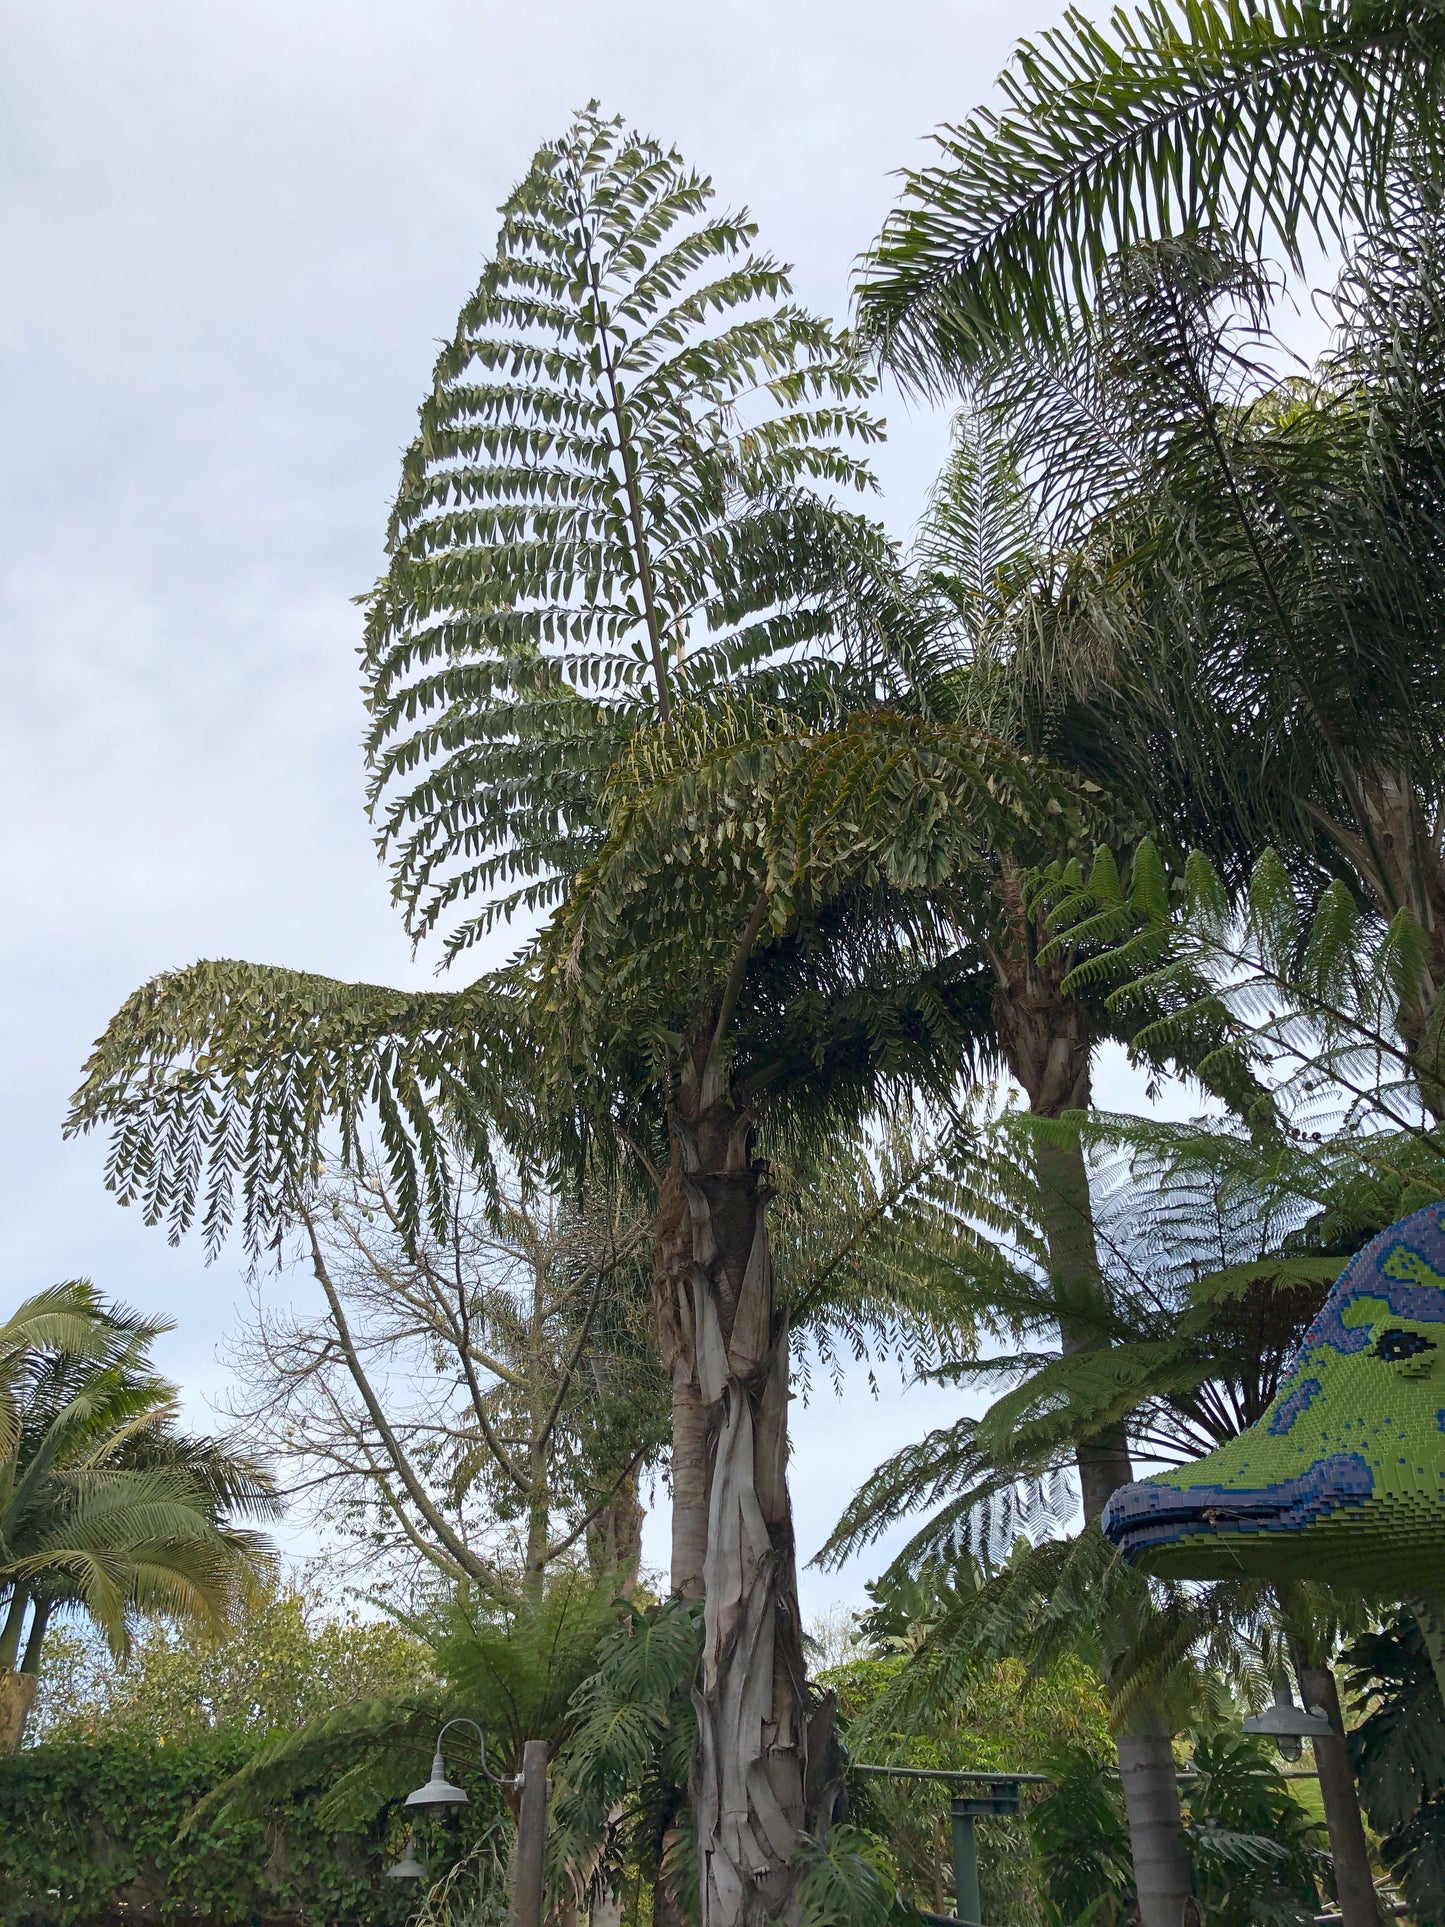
(467, 1403)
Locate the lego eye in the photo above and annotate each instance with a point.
(1396, 1345)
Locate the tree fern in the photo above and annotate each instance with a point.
(620, 496)
(1322, 993)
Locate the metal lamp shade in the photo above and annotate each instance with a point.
(1286, 1721)
(438, 1791)
(408, 1867)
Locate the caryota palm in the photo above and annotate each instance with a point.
(107, 1508)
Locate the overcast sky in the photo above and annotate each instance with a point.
(233, 232)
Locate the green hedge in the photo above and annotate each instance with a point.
(88, 1833)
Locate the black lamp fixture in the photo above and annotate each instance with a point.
(1288, 1725)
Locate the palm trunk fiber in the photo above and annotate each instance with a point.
(17, 1697)
(767, 1764)
(1354, 1882)
(18, 1681)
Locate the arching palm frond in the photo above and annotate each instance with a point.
(106, 1507)
(233, 1077)
(1269, 118)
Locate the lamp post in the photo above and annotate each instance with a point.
(531, 1783)
(1286, 1724)
(985, 1801)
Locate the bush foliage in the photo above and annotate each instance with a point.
(93, 1829)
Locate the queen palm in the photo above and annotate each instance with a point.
(106, 1507)
(1288, 528)
(1273, 121)
(1279, 541)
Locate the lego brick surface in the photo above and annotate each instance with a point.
(1344, 1475)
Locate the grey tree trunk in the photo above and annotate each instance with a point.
(1146, 1758)
(18, 1683)
(1046, 1039)
(1354, 1881)
(672, 1294)
(1156, 1834)
(1429, 1611)
(614, 1539)
(1402, 863)
(767, 1764)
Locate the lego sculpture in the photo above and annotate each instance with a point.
(1344, 1475)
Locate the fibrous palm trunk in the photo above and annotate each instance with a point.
(17, 1697)
(1045, 1037)
(614, 1539)
(19, 1679)
(767, 1765)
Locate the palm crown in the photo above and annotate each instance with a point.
(1272, 118)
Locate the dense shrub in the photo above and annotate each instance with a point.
(91, 1831)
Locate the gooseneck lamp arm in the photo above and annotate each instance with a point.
(438, 1791)
(495, 1778)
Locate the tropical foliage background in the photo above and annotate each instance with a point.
(832, 866)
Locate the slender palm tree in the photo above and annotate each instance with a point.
(1272, 675)
(1218, 1254)
(1066, 252)
(106, 1507)
(981, 581)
